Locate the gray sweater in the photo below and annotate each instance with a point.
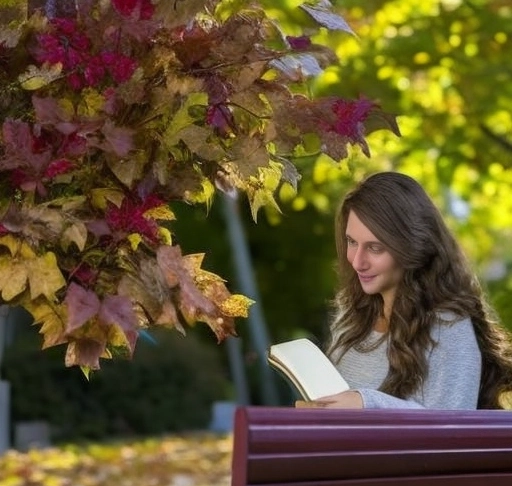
(453, 377)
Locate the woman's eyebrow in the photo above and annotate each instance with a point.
(371, 242)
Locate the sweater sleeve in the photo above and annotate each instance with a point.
(453, 377)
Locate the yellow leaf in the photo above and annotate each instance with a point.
(52, 320)
(260, 190)
(271, 176)
(162, 212)
(68, 108)
(134, 240)
(91, 103)
(25, 251)
(5, 265)
(259, 198)
(13, 244)
(100, 197)
(35, 78)
(69, 203)
(14, 276)
(117, 337)
(45, 277)
(236, 306)
(193, 262)
(204, 195)
(86, 372)
(77, 234)
(165, 236)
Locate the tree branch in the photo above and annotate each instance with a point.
(500, 140)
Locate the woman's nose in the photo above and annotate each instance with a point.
(359, 261)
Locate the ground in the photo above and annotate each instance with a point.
(195, 459)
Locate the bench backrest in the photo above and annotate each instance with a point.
(325, 447)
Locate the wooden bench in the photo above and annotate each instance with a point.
(314, 447)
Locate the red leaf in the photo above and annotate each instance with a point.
(349, 116)
(299, 43)
(220, 117)
(136, 9)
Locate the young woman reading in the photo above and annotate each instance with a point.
(412, 328)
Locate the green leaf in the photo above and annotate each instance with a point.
(182, 119)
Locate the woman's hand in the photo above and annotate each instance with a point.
(346, 399)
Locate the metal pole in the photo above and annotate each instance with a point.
(247, 282)
(237, 366)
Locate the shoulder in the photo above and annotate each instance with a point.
(453, 329)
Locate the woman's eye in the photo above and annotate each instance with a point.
(351, 242)
(376, 249)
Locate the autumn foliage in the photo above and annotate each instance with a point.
(200, 459)
(111, 118)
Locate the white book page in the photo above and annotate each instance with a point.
(307, 367)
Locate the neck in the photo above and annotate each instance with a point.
(381, 324)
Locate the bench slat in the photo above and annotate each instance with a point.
(504, 479)
(284, 468)
(288, 446)
(360, 438)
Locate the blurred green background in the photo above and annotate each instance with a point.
(445, 69)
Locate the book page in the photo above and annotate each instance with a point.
(307, 368)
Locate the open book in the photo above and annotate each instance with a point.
(307, 368)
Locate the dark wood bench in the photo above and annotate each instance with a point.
(314, 447)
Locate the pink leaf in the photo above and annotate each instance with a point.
(117, 309)
(82, 305)
(85, 352)
(118, 139)
(17, 136)
(49, 112)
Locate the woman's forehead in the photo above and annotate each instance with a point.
(357, 229)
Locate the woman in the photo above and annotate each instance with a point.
(412, 328)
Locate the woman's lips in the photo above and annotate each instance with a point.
(365, 278)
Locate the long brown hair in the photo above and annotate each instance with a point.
(437, 279)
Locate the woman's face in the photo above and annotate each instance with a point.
(377, 270)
